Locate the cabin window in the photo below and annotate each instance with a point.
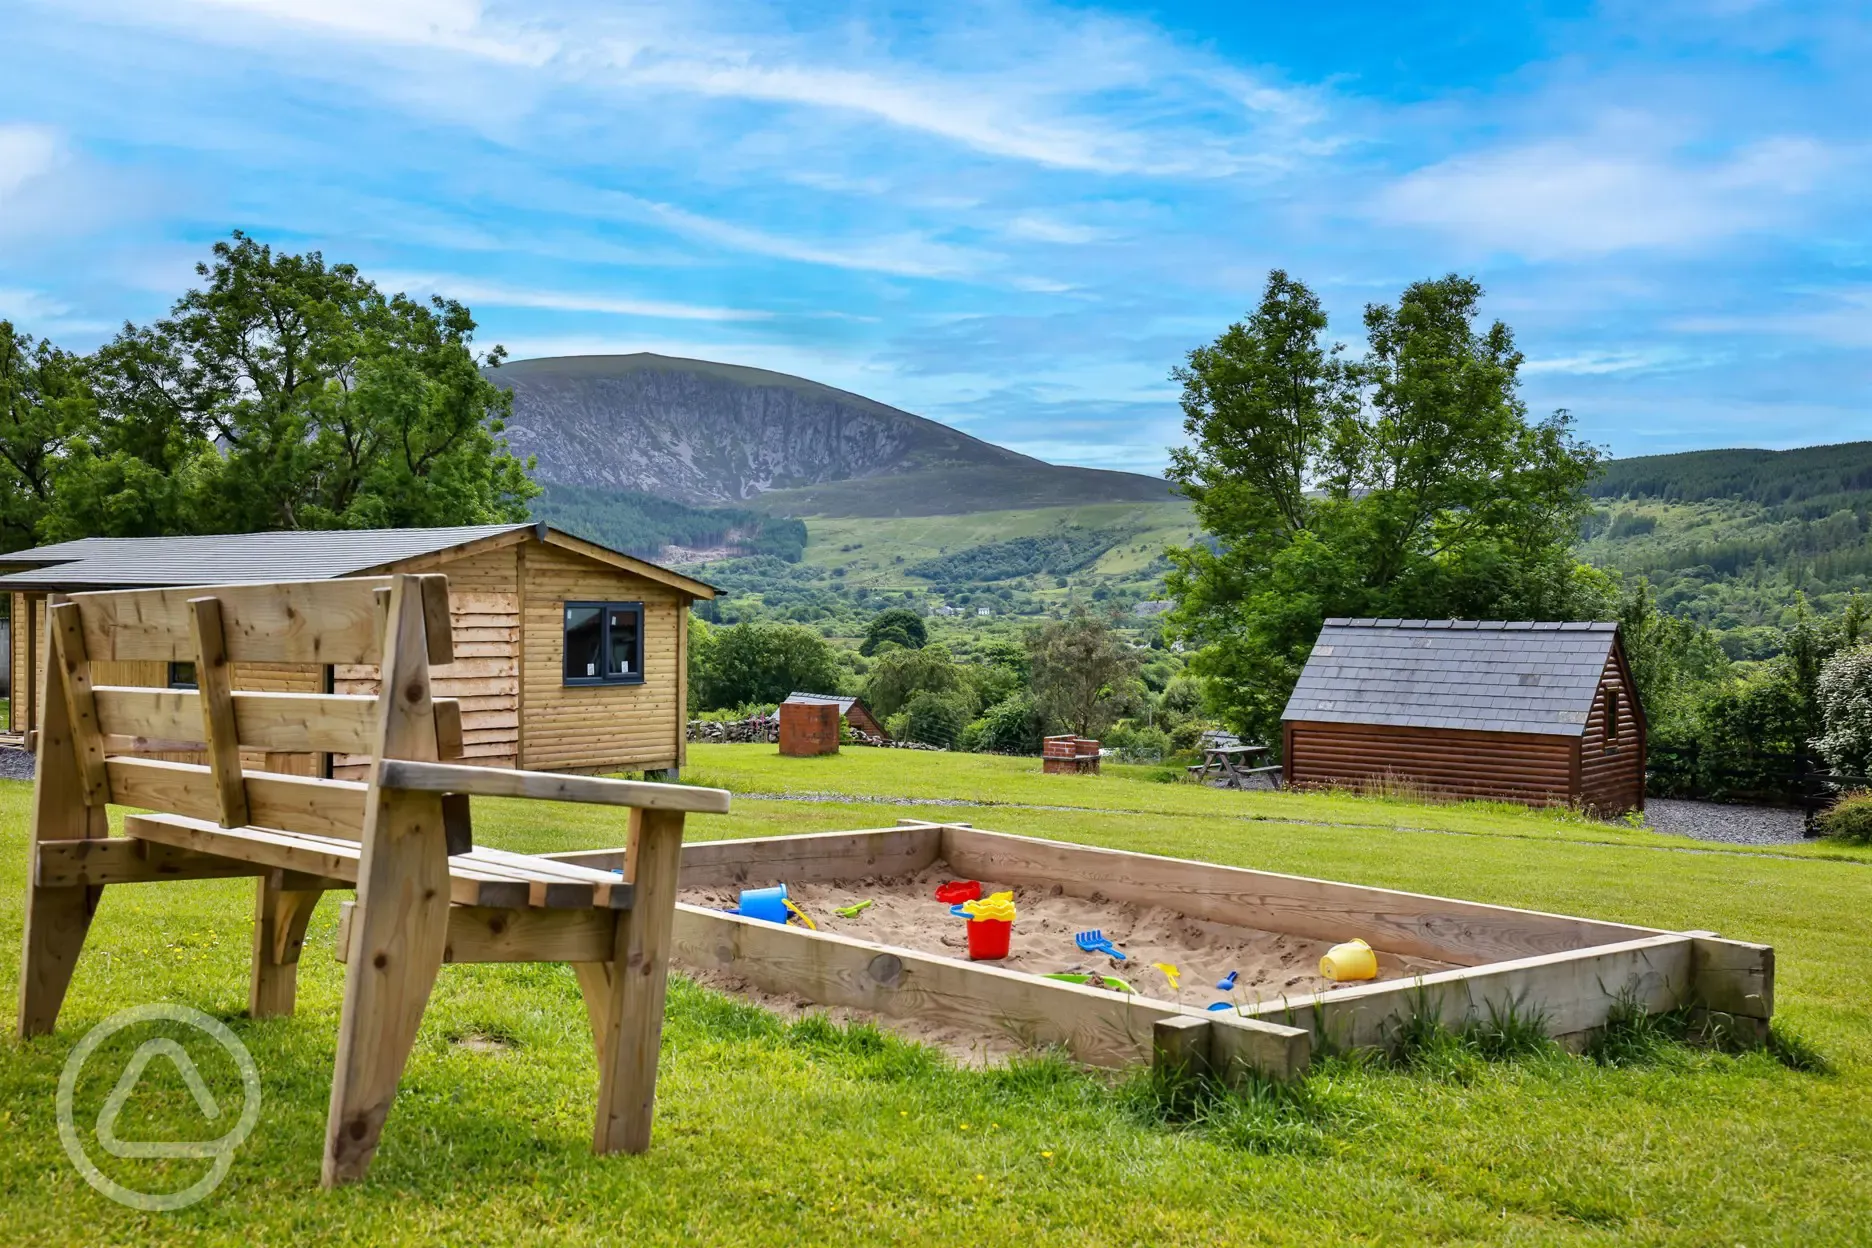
(1610, 734)
(603, 643)
(182, 676)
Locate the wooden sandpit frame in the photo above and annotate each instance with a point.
(1571, 972)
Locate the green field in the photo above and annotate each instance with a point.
(812, 1134)
(875, 552)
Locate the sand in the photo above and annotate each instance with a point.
(905, 914)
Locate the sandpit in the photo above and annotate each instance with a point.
(904, 914)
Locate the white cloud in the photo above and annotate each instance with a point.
(1588, 197)
(1599, 363)
(20, 305)
(26, 153)
(1038, 227)
(478, 293)
(452, 25)
(1839, 318)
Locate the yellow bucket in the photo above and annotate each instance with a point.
(1352, 960)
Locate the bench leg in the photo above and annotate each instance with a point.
(280, 918)
(399, 930)
(625, 996)
(56, 922)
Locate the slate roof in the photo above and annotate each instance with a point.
(1485, 676)
(821, 699)
(230, 558)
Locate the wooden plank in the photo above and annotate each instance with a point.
(57, 918)
(1180, 1044)
(291, 723)
(216, 696)
(628, 1028)
(448, 717)
(1572, 991)
(408, 775)
(68, 643)
(491, 934)
(437, 631)
(608, 889)
(1733, 976)
(1098, 1028)
(401, 927)
(291, 803)
(127, 860)
(334, 859)
(813, 856)
(1462, 932)
(295, 622)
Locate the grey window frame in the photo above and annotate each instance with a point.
(604, 644)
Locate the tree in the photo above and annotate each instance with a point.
(898, 626)
(935, 719)
(1676, 664)
(45, 402)
(1011, 726)
(1081, 673)
(1409, 483)
(897, 676)
(291, 394)
(763, 662)
(1844, 694)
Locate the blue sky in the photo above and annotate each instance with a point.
(1012, 217)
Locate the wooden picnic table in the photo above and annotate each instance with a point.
(1229, 763)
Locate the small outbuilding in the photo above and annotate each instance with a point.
(1543, 713)
(569, 656)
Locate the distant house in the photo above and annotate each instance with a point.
(983, 611)
(568, 656)
(853, 710)
(1531, 712)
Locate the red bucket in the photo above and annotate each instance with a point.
(988, 938)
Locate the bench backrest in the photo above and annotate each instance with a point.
(400, 623)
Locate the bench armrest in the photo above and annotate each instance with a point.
(397, 773)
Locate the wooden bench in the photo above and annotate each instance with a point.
(402, 838)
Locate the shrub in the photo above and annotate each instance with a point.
(1010, 726)
(1850, 819)
(935, 719)
(1845, 697)
(1139, 744)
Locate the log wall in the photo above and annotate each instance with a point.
(1612, 762)
(1519, 766)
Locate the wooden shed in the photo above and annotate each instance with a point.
(569, 656)
(1543, 713)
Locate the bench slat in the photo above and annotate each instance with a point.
(274, 800)
(397, 773)
(285, 723)
(296, 622)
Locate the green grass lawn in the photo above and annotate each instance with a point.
(812, 1134)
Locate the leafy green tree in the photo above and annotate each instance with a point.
(898, 626)
(935, 719)
(45, 403)
(897, 676)
(1410, 483)
(1011, 726)
(1083, 673)
(1845, 696)
(1676, 664)
(764, 661)
(291, 394)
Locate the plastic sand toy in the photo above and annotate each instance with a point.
(1094, 942)
(855, 909)
(1353, 960)
(990, 925)
(767, 904)
(801, 915)
(958, 891)
(1170, 973)
(1110, 983)
(1226, 983)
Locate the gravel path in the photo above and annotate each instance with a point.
(1719, 821)
(15, 765)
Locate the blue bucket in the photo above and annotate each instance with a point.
(764, 903)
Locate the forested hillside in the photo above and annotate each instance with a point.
(1729, 537)
(666, 530)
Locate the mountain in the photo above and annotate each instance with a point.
(709, 434)
(1816, 478)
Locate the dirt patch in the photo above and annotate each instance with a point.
(905, 914)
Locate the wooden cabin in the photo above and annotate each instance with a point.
(569, 656)
(1543, 713)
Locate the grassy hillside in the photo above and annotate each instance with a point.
(962, 489)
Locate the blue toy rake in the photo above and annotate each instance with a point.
(1094, 942)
